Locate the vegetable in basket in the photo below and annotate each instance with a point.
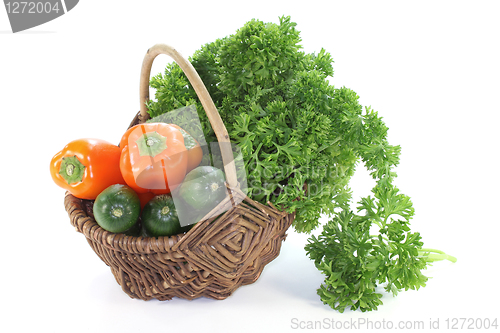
(195, 153)
(301, 139)
(85, 167)
(154, 158)
(117, 208)
(203, 188)
(159, 217)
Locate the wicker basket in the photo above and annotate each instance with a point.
(212, 259)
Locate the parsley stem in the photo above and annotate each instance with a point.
(432, 255)
(383, 237)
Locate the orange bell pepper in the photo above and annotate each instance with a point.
(153, 158)
(195, 153)
(86, 167)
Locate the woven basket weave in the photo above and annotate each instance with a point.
(215, 257)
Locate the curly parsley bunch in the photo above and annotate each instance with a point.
(301, 139)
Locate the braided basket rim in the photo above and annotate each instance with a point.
(88, 226)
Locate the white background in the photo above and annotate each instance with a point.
(431, 69)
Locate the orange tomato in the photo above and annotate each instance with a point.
(86, 167)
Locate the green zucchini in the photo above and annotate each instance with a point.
(159, 217)
(117, 208)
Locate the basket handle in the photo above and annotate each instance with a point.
(205, 99)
